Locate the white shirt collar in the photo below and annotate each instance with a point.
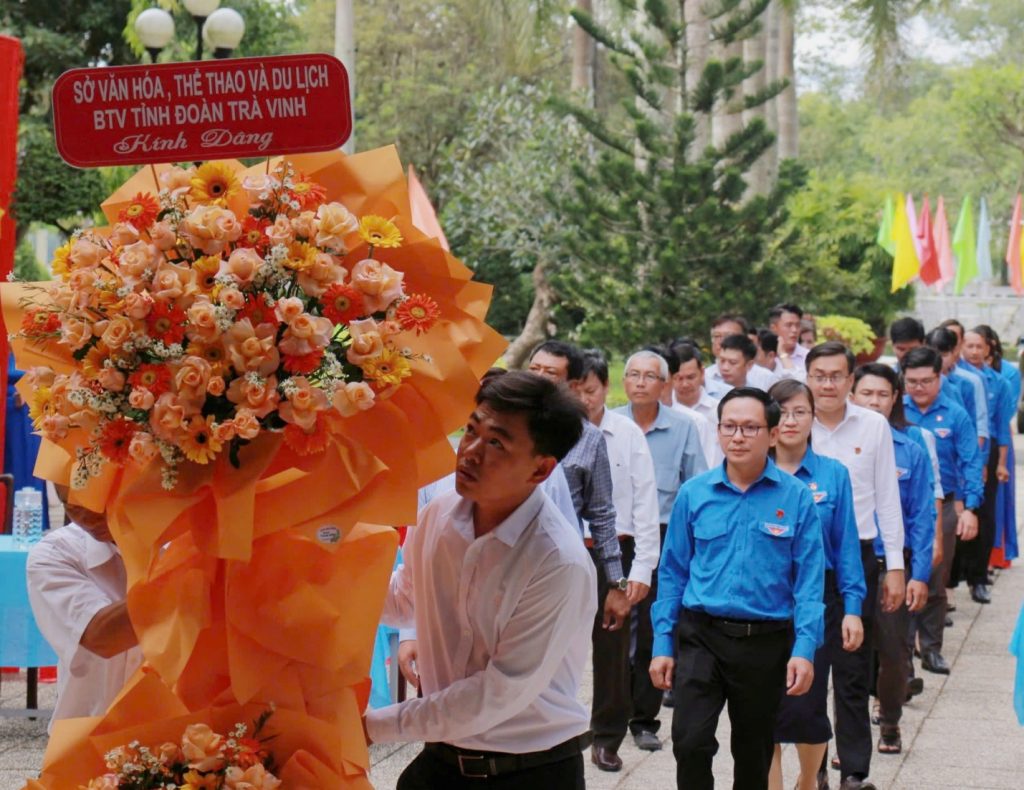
(509, 530)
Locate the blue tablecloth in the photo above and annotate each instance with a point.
(21, 644)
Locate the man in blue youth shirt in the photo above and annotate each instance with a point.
(960, 467)
(742, 568)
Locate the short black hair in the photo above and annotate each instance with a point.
(566, 351)
(923, 357)
(786, 307)
(740, 343)
(554, 416)
(942, 339)
(594, 362)
(832, 348)
(732, 318)
(906, 330)
(687, 351)
(897, 417)
(768, 341)
(772, 412)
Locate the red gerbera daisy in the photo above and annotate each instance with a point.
(257, 311)
(303, 364)
(40, 323)
(418, 312)
(307, 192)
(307, 443)
(253, 234)
(155, 378)
(141, 212)
(166, 323)
(342, 303)
(116, 438)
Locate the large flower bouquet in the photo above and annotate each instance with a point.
(216, 310)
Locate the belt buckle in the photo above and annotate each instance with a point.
(465, 772)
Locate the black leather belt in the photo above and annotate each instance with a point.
(739, 629)
(483, 765)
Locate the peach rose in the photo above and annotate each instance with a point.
(142, 450)
(105, 782)
(354, 397)
(366, 341)
(210, 228)
(304, 401)
(123, 234)
(170, 281)
(39, 376)
(202, 321)
(288, 309)
(215, 386)
(191, 379)
(305, 334)
(167, 753)
(231, 298)
(259, 184)
(251, 349)
(255, 777)
(82, 280)
(324, 272)
(162, 235)
(167, 417)
(117, 332)
(224, 432)
(111, 379)
(336, 222)
(257, 394)
(75, 333)
(281, 231)
(378, 282)
(137, 260)
(201, 748)
(178, 180)
(86, 254)
(141, 398)
(138, 305)
(54, 426)
(242, 265)
(304, 225)
(245, 423)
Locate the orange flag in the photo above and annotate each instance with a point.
(930, 273)
(1013, 251)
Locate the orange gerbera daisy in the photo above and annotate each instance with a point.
(307, 192)
(199, 444)
(155, 378)
(379, 232)
(206, 269)
(214, 182)
(116, 438)
(418, 312)
(342, 303)
(307, 443)
(213, 353)
(166, 323)
(257, 311)
(141, 212)
(388, 369)
(254, 235)
(303, 364)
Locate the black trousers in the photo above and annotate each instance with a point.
(613, 672)
(646, 698)
(930, 622)
(892, 655)
(430, 772)
(714, 670)
(851, 674)
(976, 553)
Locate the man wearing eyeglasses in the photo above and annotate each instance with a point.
(861, 440)
(960, 466)
(674, 442)
(741, 575)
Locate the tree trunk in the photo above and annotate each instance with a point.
(755, 49)
(583, 54)
(788, 122)
(771, 22)
(698, 44)
(728, 117)
(535, 330)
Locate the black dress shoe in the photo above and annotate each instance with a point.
(648, 741)
(605, 759)
(668, 699)
(932, 661)
(853, 783)
(980, 593)
(949, 622)
(914, 687)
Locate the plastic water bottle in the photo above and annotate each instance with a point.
(28, 516)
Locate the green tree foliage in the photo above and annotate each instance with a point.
(27, 268)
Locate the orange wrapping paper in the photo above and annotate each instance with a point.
(264, 584)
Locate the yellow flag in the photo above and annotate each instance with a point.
(905, 263)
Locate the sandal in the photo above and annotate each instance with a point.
(890, 742)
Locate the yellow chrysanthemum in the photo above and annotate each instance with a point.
(206, 269)
(214, 182)
(388, 369)
(60, 265)
(199, 444)
(379, 232)
(301, 256)
(37, 409)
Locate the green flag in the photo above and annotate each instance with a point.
(885, 239)
(965, 247)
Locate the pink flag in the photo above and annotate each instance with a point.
(930, 273)
(1013, 255)
(914, 230)
(423, 215)
(943, 245)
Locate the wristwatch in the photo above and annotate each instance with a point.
(621, 584)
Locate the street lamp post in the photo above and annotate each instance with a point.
(220, 28)
(200, 10)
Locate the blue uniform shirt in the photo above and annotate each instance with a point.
(829, 484)
(675, 447)
(996, 396)
(917, 499)
(748, 555)
(963, 371)
(956, 443)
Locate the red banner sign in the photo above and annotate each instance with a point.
(212, 109)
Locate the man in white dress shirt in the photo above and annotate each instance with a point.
(635, 492)
(77, 586)
(862, 441)
(785, 321)
(715, 383)
(503, 596)
(688, 387)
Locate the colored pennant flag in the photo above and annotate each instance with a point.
(984, 250)
(965, 247)
(930, 273)
(885, 228)
(905, 263)
(1013, 249)
(912, 219)
(943, 245)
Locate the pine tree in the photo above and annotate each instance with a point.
(661, 234)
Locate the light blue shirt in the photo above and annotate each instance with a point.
(748, 555)
(917, 498)
(963, 371)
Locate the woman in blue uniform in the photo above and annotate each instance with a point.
(804, 720)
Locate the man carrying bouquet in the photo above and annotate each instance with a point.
(502, 594)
